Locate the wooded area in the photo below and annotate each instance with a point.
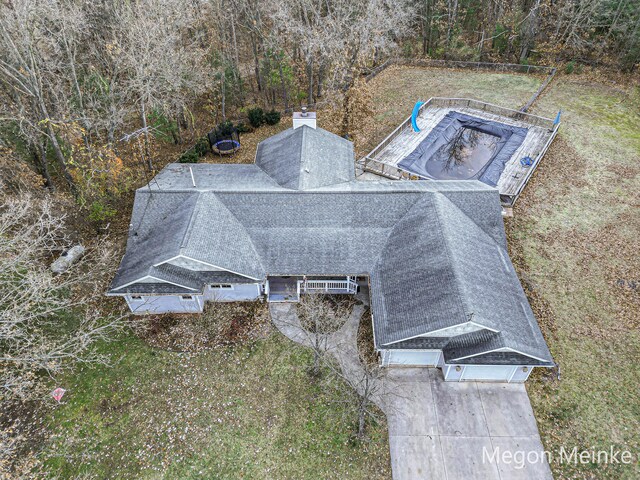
(78, 79)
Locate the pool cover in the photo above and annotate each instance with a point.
(465, 148)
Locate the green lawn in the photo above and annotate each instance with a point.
(248, 411)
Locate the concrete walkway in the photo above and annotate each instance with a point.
(438, 429)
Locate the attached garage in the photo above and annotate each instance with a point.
(486, 373)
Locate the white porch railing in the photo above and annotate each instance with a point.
(348, 285)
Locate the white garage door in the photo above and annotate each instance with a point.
(498, 373)
(411, 357)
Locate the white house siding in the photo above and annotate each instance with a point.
(238, 291)
(165, 303)
(487, 373)
(411, 358)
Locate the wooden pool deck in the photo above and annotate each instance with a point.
(384, 159)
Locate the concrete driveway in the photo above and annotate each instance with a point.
(440, 430)
(444, 430)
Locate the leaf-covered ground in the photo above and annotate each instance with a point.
(243, 411)
(574, 235)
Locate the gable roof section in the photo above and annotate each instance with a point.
(490, 289)
(159, 222)
(485, 347)
(418, 288)
(480, 270)
(305, 157)
(217, 237)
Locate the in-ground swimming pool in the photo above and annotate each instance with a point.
(463, 147)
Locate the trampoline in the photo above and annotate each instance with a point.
(463, 147)
(225, 147)
(224, 140)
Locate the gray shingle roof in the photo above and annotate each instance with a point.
(435, 252)
(414, 272)
(158, 225)
(207, 176)
(306, 157)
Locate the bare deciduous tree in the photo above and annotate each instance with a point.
(44, 321)
(32, 71)
(320, 316)
(163, 59)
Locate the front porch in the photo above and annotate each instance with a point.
(289, 288)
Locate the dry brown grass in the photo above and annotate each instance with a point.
(574, 238)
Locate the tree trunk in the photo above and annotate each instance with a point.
(319, 81)
(76, 86)
(310, 82)
(361, 422)
(452, 13)
(223, 96)
(362, 407)
(40, 157)
(285, 94)
(62, 163)
(256, 61)
(316, 364)
(147, 153)
(236, 59)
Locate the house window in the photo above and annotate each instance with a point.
(221, 286)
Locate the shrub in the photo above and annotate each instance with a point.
(256, 117)
(202, 146)
(568, 69)
(99, 212)
(272, 117)
(500, 41)
(163, 128)
(190, 156)
(243, 128)
(225, 128)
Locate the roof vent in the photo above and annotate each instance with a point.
(304, 118)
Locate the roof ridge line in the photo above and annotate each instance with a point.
(187, 232)
(419, 196)
(303, 148)
(472, 220)
(448, 253)
(244, 229)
